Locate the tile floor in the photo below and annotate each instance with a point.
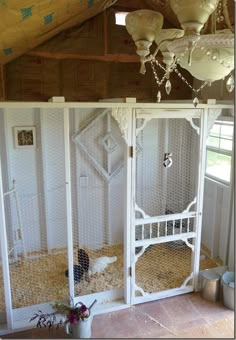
(185, 316)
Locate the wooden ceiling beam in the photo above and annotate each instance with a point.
(118, 57)
(105, 33)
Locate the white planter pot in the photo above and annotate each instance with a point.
(80, 330)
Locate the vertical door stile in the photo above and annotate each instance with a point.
(200, 191)
(5, 261)
(68, 202)
(133, 181)
(128, 211)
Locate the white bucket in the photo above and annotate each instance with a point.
(228, 289)
(210, 286)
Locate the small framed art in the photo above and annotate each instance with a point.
(25, 136)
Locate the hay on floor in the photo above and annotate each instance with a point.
(42, 280)
(166, 266)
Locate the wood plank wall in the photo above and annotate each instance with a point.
(87, 63)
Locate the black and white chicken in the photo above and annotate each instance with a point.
(83, 260)
(87, 267)
(99, 264)
(78, 272)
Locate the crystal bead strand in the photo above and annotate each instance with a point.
(160, 82)
(219, 11)
(157, 81)
(195, 100)
(189, 85)
(230, 82)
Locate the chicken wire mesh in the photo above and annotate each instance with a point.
(163, 190)
(166, 179)
(167, 265)
(166, 184)
(36, 211)
(97, 163)
(162, 267)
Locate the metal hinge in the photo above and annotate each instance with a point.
(131, 151)
(130, 271)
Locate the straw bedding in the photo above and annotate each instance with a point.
(43, 279)
(163, 266)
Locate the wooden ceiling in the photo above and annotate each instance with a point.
(25, 27)
(26, 24)
(170, 19)
(162, 6)
(91, 39)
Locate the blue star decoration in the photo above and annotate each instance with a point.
(48, 18)
(7, 50)
(26, 12)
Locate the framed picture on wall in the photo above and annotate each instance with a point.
(25, 136)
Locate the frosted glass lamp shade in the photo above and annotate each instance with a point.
(163, 38)
(193, 14)
(212, 57)
(143, 25)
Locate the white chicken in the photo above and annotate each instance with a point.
(99, 264)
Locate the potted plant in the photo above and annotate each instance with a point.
(77, 318)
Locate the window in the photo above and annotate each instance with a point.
(219, 151)
(120, 18)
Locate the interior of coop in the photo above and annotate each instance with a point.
(98, 177)
(40, 178)
(38, 259)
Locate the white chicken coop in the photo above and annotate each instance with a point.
(122, 181)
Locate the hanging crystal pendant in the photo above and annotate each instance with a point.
(168, 87)
(230, 83)
(195, 101)
(158, 96)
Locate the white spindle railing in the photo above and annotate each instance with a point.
(165, 226)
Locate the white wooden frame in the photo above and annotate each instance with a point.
(169, 113)
(13, 316)
(77, 140)
(4, 255)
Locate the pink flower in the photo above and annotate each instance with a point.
(73, 316)
(83, 308)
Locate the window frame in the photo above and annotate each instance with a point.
(222, 121)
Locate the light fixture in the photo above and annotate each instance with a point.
(208, 57)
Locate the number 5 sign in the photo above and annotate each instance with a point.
(167, 160)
